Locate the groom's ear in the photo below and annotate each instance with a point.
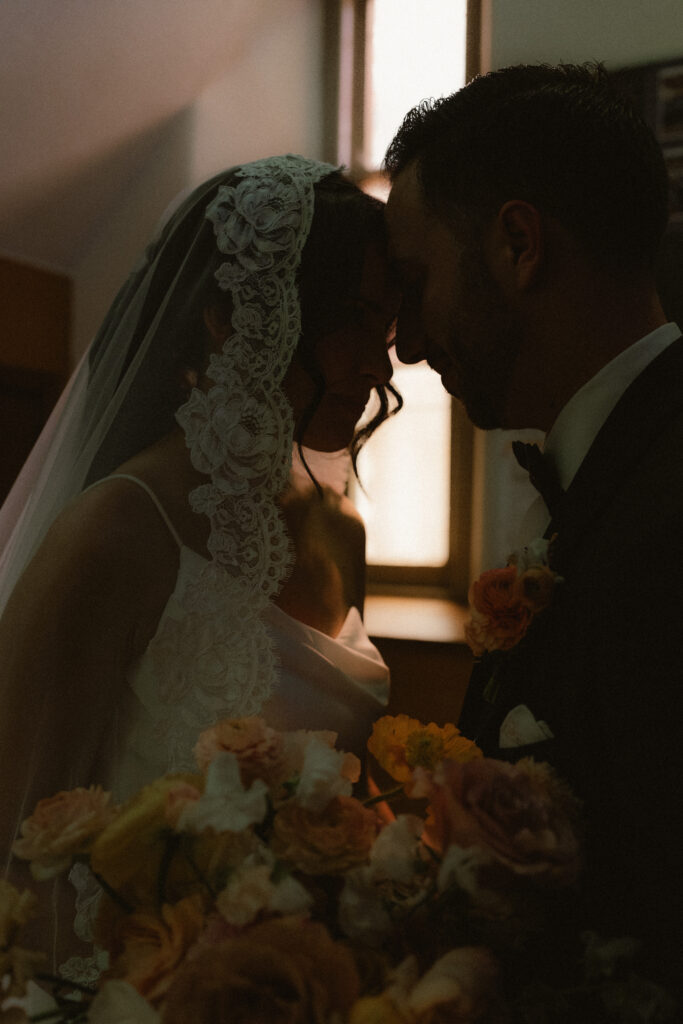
(520, 236)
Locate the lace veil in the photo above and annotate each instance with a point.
(241, 233)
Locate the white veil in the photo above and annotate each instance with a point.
(241, 233)
(245, 229)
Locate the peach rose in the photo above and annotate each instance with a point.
(522, 814)
(151, 947)
(13, 1015)
(257, 747)
(400, 744)
(499, 617)
(458, 989)
(251, 890)
(62, 827)
(282, 971)
(327, 843)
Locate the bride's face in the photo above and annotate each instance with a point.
(352, 360)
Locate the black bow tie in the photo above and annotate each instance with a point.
(541, 473)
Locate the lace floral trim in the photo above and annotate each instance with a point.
(218, 659)
(85, 970)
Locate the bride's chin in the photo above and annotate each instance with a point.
(335, 433)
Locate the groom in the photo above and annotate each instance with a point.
(525, 215)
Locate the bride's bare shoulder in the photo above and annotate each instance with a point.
(114, 522)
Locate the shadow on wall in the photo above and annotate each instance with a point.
(158, 167)
(56, 226)
(428, 680)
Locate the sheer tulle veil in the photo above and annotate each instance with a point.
(122, 395)
(238, 239)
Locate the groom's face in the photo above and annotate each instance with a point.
(453, 313)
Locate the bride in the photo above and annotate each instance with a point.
(147, 579)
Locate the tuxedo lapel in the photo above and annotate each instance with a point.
(640, 415)
(643, 412)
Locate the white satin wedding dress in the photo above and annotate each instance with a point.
(336, 683)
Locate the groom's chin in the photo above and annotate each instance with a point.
(482, 410)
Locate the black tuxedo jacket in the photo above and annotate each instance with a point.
(603, 665)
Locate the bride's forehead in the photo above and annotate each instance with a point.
(378, 282)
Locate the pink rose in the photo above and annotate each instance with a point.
(500, 617)
(522, 814)
(62, 827)
(257, 747)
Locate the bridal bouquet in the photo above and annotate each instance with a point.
(261, 889)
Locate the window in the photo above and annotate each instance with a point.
(416, 472)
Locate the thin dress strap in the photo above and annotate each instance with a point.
(160, 508)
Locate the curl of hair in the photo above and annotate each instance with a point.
(345, 222)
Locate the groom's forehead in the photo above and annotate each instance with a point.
(407, 215)
(416, 233)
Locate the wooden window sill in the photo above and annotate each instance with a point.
(426, 619)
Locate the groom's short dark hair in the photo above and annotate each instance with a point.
(561, 138)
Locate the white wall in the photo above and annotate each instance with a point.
(619, 33)
(268, 102)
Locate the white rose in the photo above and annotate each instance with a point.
(362, 909)
(325, 774)
(395, 850)
(532, 555)
(225, 805)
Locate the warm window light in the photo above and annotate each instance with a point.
(413, 51)
(416, 50)
(405, 475)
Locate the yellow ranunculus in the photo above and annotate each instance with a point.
(375, 1010)
(129, 852)
(401, 744)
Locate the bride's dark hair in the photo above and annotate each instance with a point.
(345, 222)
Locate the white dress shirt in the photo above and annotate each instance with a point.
(578, 424)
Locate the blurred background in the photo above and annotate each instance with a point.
(111, 108)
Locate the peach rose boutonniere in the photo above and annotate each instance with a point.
(504, 602)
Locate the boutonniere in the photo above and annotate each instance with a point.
(504, 602)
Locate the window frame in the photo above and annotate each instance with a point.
(345, 110)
